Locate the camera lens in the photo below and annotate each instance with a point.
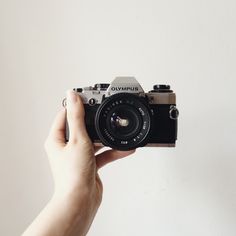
(123, 121)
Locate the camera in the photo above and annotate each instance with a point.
(122, 116)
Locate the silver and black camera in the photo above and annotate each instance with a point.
(122, 116)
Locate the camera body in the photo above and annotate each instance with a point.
(122, 116)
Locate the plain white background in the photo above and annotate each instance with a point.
(49, 46)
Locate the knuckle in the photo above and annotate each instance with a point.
(86, 142)
(79, 140)
(73, 141)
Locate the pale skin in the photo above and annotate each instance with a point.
(74, 164)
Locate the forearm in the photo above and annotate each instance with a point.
(64, 216)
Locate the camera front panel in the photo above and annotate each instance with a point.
(164, 126)
(90, 113)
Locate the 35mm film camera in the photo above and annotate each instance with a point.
(122, 116)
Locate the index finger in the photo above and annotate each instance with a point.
(57, 131)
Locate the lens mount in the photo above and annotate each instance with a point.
(123, 121)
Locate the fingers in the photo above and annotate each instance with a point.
(97, 148)
(75, 117)
(57, 131)
(111, 155)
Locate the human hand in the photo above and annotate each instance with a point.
(75, 164)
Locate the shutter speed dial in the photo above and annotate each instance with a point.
(101, 86)
(161, 88)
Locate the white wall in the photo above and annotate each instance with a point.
(49, 46)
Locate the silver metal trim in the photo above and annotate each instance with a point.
(161, 98)
(148, 145)
(123, 84)
(126, 84)
(160, 145)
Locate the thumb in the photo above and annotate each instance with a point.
(75, 117)
(111, 155)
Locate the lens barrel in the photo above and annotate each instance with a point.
(123, 121)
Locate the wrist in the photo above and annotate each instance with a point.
(74, 213)
(77, 198)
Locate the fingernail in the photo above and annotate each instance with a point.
(71, 96)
